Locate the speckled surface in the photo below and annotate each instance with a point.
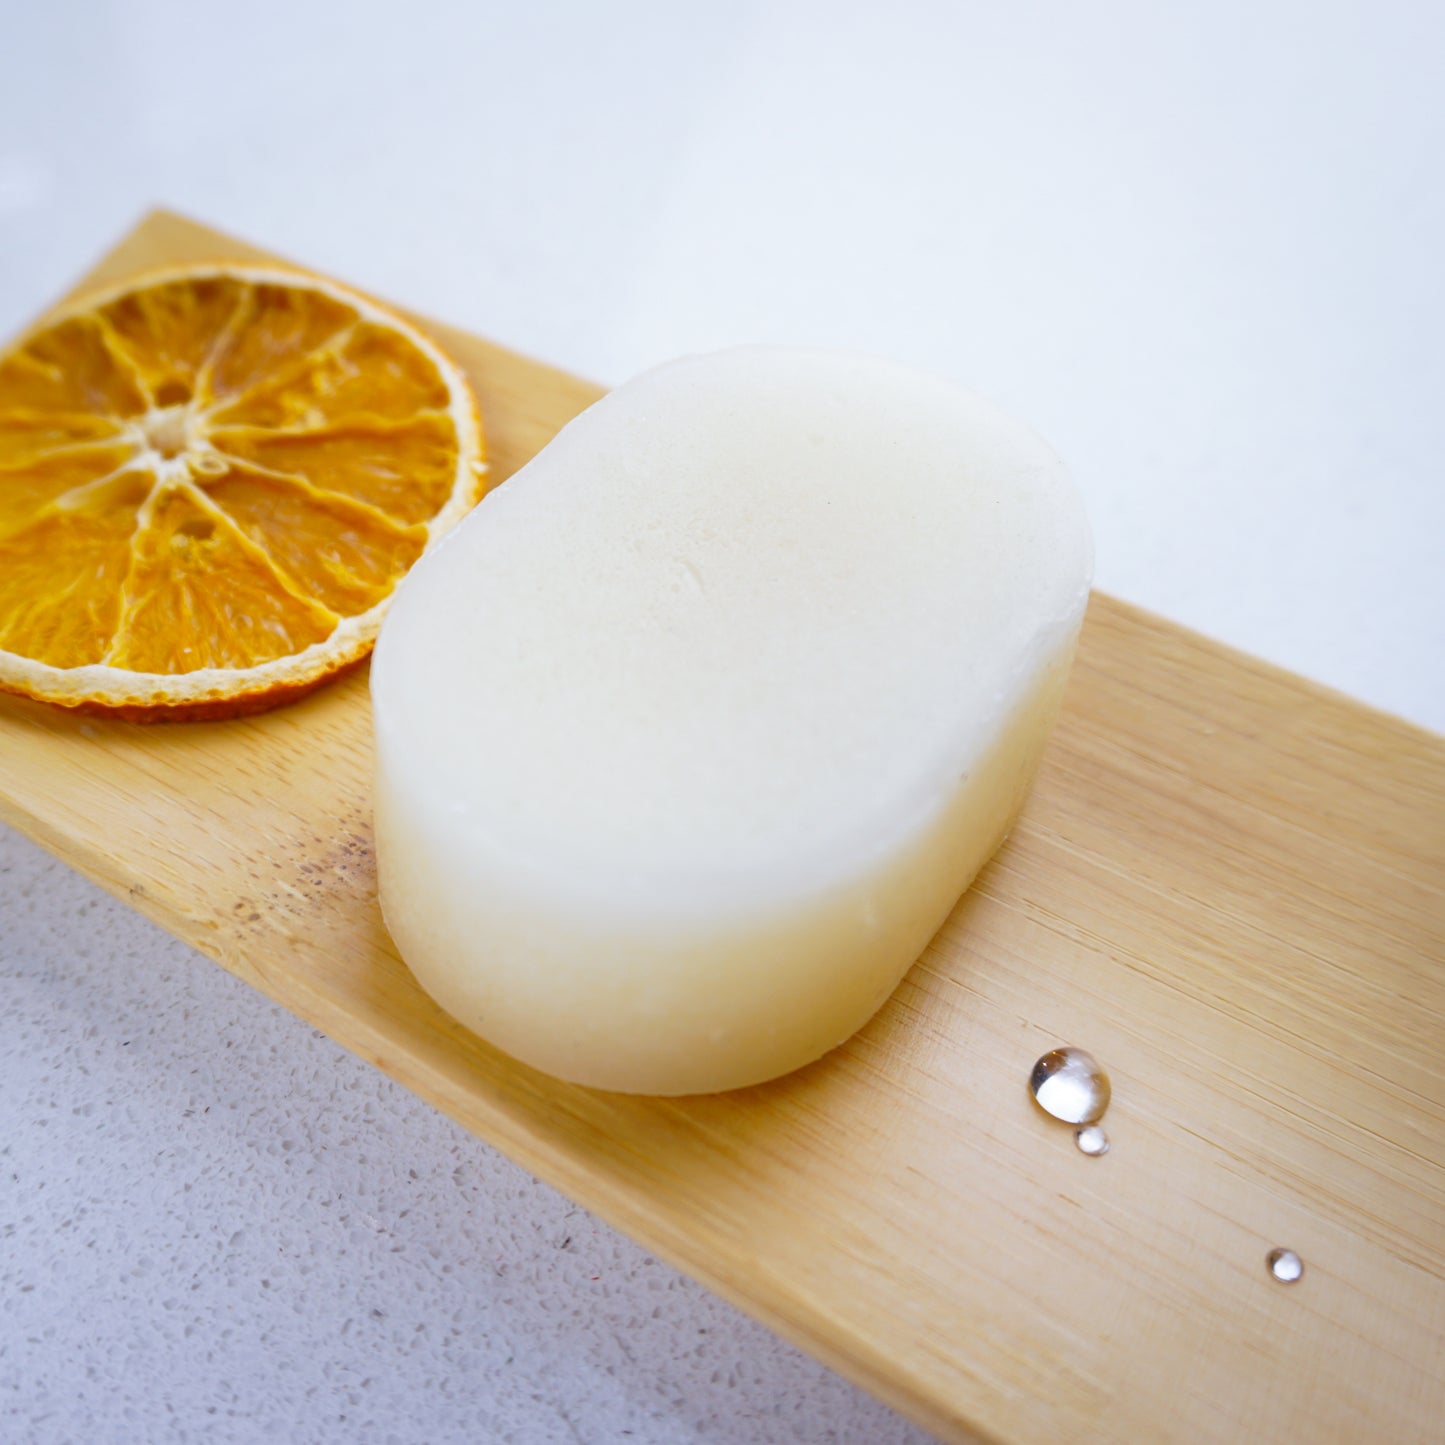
(217, 1225)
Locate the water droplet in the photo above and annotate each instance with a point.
(1285, 1265)
(1092, 1140)
(1068, 1084)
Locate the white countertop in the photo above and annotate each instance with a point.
(1197, 248)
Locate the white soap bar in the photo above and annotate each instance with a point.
(690, 736)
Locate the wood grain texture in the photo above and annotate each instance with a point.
(1227, 886)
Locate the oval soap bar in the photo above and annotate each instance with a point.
(690, 736)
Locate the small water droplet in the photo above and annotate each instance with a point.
(1092, 1140)
(1070, 1085)
(1285, 1265)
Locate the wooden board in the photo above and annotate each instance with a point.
(1227, 885)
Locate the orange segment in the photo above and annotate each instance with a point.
(198, 595)
(404, 468)
(282, 326)
(345, 555)
(362, 371)
(71, 368)
(172, 331)
(60, 586)
(211, 482)
(27, 491)
(27, 435)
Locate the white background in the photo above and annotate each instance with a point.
(1198, 247)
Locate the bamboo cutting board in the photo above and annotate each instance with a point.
(1227, 886)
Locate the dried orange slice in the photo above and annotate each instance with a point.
(211, 481)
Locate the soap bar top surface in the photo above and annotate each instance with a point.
(741, 625)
